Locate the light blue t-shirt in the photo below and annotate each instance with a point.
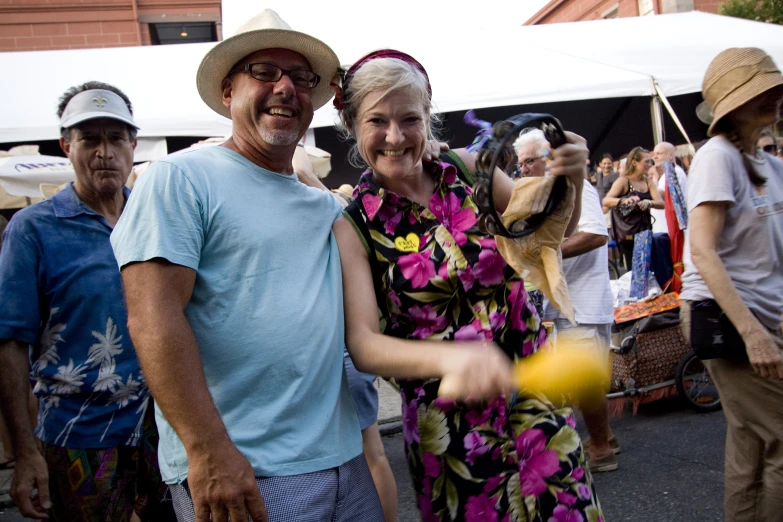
(267, 305)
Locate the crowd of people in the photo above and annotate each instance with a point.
(195, 346)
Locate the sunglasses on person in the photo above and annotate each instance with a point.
(771, 148)
(266, 72)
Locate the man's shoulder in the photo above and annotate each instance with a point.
(34, 216)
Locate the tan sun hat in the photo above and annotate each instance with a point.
(735, 77)
(266, 30)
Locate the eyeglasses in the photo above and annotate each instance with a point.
(528, 163)
(771, 148)
(266, 72)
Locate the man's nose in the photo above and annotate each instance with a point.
(284, 86)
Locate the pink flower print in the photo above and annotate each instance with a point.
(427, 321)
(492, 484)
(488, 242)
(391, 224)
(395, 299)
(583, 490)
(410, 423)
(417, 268)
(371, 204)
(445, 404)
(477, 417)
(562, 514)
(489, 269)
(566, 498)
(518, 298)
(432, 465)
(475, 445)
(425, 508)
(536, 463)
(448, 212)
(577, 473)
(443, 270)
(480, 509)
(467, 278)
(571, 421)
(497, 319)
(472, 332)
(449, 173)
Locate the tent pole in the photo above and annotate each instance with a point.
(671, 112)
(656, 115)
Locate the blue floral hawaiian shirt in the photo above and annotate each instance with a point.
(61, 293)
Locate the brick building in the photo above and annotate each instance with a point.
(558, 11)
(37, 25)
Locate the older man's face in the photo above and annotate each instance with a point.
(530, 162)
(662, 153)
(279, 112)
(101, 152)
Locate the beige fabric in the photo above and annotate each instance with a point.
(266, 30)
(735, 77)
(537, 257)
(753, 406)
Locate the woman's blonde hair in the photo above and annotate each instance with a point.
(385, 75)
(636, 154)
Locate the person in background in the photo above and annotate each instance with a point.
(585, 259)
(631, 198)
(732, 297)
(606, 175)
(93, 455)
(664, 151)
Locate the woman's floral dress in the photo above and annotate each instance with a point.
(516, 459)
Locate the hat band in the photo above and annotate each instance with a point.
(736, 78)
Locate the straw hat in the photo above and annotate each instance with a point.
(266, 30)
(735, 77)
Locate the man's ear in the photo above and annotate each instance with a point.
(65, 145)
(226, 87)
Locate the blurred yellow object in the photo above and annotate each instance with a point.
(570, 369)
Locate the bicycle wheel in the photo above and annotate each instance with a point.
(695, 385)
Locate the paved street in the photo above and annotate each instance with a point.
(671, 468)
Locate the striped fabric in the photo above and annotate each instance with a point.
(342, 494)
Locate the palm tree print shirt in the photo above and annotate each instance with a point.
(62, 294)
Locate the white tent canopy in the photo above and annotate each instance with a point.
(468, 67)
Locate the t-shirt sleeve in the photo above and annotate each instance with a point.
(592, 220)
(163, 218)
(19, 265)
(711, 179)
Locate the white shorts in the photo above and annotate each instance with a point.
(597, 336)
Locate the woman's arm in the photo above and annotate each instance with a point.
(706, 225)
(482, 370)
(615, 195)
(657, 200)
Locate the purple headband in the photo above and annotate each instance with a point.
(383, 53)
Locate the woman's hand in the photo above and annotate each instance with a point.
(763, 352)
(477, 371)
(570, 158)
(433, 149)
(644, 204)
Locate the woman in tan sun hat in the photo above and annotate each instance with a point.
(732, 296)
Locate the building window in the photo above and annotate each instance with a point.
(646, 7)
(612, 12)
(177, 33)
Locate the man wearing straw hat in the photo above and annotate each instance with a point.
(234, 295)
